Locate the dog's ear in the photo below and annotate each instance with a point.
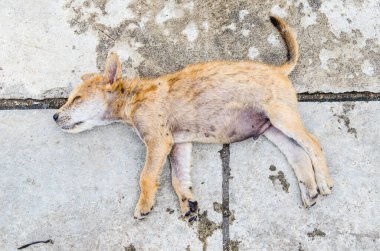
(112, 70)
(87, 76)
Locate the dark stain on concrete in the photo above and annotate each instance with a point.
(272, 168)
(165, 49)
(346, 120)
(130, 248)
(79, 24)
(169, 210)
(300, 248)
(164, 54)
(206, 228)
(316, 232)
(100, 4)
(234, 245)
(315, 4)
(107, 38)
(280, 177)
(218, 207)
(57, 92)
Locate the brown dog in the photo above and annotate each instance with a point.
(213, 102)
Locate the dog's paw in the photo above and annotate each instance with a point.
(325, 184)
(142, 210)
(309, 195)
(190, 210)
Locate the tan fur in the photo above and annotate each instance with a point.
(212, 102)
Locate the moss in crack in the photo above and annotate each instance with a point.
(218, 207)
(280, 177)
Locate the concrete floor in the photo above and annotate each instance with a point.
(269, 218)
(80, 190)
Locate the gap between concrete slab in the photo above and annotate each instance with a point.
(55, 103)
(225, 157)
(338, 97)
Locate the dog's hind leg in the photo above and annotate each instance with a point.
(288, 121)
(180, 161)
(299, 161)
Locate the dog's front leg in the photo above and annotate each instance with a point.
(157, 151)
(180, 161)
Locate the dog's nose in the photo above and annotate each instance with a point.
(55, 116)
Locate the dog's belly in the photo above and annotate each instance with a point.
(249, 123)
(227, 127)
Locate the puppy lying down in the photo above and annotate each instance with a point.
(212, 102)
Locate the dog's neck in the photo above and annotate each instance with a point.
(128, 94)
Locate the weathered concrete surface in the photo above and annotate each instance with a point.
(268, 218)
(80, 190)
(45, 46)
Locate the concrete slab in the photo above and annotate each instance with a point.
(80, 190)
(268, 218)
(45, 46)
(40, 55)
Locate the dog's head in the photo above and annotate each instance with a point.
(90, 104)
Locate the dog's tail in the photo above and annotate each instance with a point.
(291, 43)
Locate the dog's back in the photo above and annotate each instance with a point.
(228, 95)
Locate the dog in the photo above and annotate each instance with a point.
(217, 102)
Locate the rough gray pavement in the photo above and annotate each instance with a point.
(269, 218)
(45, 46)
(81, 190)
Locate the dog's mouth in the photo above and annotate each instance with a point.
(70, 127)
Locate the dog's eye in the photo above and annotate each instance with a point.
(77, 98)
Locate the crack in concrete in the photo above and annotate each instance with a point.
(338, 97)
(26, 104)
(225, 157)
(219, 209)
(55, 103)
